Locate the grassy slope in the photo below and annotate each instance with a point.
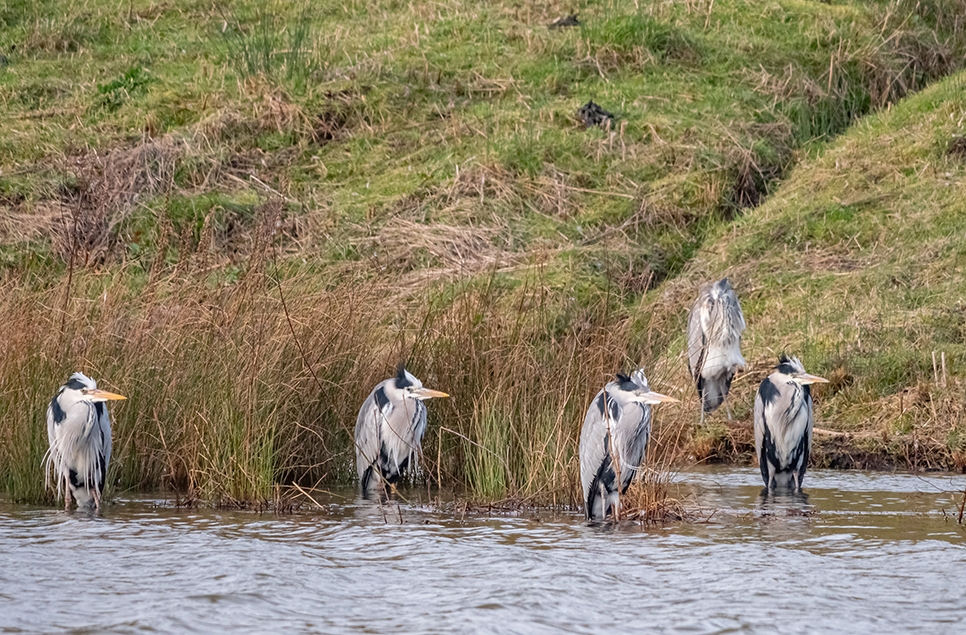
(857, 265)
(438, 202)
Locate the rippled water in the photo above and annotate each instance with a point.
(861, 553)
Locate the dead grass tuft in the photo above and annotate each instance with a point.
(101, 190)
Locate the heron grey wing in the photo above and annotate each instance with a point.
(368, 423)
(697, 340)
(732, 310)
(593, 449)
(631, 435)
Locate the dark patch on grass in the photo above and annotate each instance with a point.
(956, 147)
(592, 114)
(337, 115)
(564, 22)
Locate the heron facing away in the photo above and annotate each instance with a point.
(783, 424)
(715, 325)
(613, 441)
(389, 429)
(79, 432)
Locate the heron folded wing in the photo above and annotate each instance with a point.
(592, 443)
(367, 439)
(697, 341)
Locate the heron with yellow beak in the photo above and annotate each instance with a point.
(783, 424)
(79, 433)
(613, 441)
(390, 428)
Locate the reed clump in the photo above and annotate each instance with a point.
(235, 386)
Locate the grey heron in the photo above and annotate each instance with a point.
(783, 424)
(79, 433)
(715, 325)
(613, 441)
(389, 429)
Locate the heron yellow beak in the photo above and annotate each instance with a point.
(103, 395)
(652, 397)
(428, 393)
(805, 379)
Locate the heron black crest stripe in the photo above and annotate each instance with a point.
(625, 383)
(402, 381)
(75, 384)
(57, 412)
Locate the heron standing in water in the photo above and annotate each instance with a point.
(390, 428)
(613, 441)
(715, 325)
(79, 432)
(783, 424)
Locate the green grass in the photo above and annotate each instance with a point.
(416, 179)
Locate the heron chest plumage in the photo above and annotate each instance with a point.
(401, 428)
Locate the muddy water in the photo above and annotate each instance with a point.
(861, 553)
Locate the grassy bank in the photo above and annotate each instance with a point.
(857, 263)
(242, 216)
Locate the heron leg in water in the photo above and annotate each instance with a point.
(66, 497)
(97, 500)
(795, 478)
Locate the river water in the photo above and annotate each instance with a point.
(861, 553)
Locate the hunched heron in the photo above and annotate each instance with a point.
(613, 441)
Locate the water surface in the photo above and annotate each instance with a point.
(861, 553)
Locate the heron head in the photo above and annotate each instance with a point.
(81, 388)
(793, 367)
(637, 385)
(412, 388)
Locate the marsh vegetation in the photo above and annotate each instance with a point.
(241, 216)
